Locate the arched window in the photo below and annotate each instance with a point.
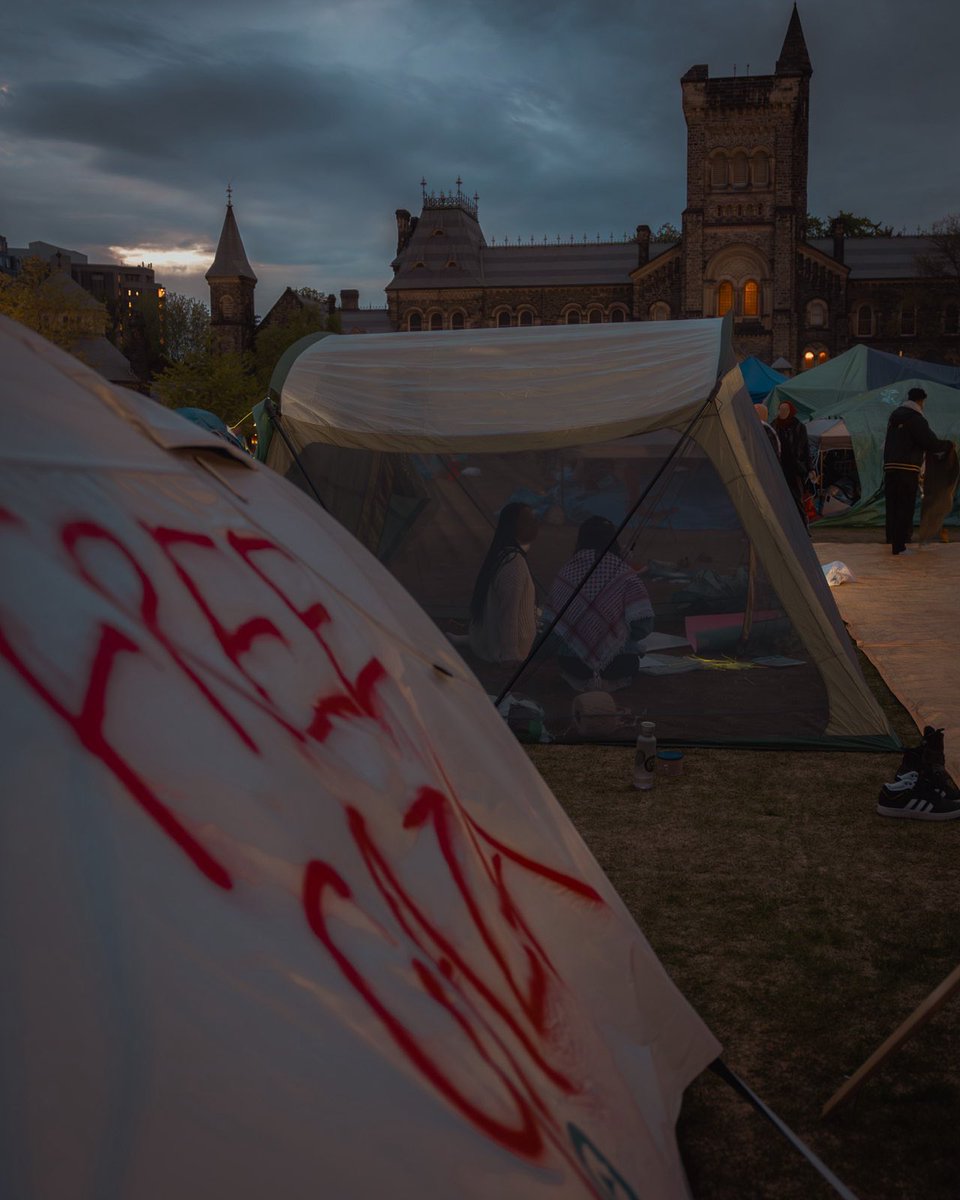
(573, 317)
(503, 319)
(414, 322)
(456, 321)
(596, 316)
(739, 170)
(526, 317)
(718, 171)
(816, 314)
(908, 320)
(864, 321)
(951, 319)
(760, 170)
(724, 298)
(618, 314)
(813, 356)
(751, 298)
(660, 311)
(228, 308)
(436, 320)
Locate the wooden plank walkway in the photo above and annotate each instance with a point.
(904, 613)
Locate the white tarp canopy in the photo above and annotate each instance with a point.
(513, 388)
(285, 909)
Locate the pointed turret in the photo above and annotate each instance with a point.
(232, 282)
(230, 261)
(794, 58)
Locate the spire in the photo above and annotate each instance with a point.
(794, 59)
(231, 258)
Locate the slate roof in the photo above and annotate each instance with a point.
(365, 320)
(231, 258)
(879, 258)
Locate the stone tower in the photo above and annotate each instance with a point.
(747, 197)
(232, 282)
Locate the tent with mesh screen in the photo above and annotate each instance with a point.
(417, 442)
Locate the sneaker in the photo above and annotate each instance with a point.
(931, 746)
(932, 798)
(902, 788)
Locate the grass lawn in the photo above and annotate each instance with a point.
(804, 928)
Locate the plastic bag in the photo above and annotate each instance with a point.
(837, 573)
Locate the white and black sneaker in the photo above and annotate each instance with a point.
(932, 797)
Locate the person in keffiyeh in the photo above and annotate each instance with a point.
(607, 616)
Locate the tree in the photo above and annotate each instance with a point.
(222, 383)
(50, 303)
(853, 226)
(667, 233)
(186, 326)
(943, 261)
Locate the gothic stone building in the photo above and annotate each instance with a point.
(742, 248)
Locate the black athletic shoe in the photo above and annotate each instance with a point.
(932, 798)
(931, 747)
(903, 788)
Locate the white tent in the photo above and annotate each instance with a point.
(285, 910)
(365, 412)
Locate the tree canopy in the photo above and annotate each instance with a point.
(50, 303)
(853, 226)
(943, 260)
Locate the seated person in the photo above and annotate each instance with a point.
(598, 635)
(503, 615)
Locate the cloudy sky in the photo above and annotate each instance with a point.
(122, 123)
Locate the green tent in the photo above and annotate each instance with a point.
(822, 391)
(865, 416)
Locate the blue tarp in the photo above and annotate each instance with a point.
(759, 378)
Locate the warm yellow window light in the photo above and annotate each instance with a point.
(751, 298)
(724, 299)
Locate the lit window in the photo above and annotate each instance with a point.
(822, 356)
(503, 320)
(415, 322)
(724, 298)
(809, 358)
(751, 298)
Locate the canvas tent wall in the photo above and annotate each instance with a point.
(416, 442)
(285, 911)
(820, 391)
(864, 418)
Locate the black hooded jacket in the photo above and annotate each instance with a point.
(909, 437)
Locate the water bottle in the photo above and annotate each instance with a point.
(646, 761)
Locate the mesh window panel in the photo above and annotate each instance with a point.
(717, 661)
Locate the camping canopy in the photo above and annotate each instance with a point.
(417, 441)
(864, 420)
(759, 378)
(285, 910)
(821, 391)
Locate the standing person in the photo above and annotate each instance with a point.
(768, 429)
(908, 438)
(503, 611)
(794, 452)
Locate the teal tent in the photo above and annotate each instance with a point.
(822, 391)
(866, 415)
(759, 378)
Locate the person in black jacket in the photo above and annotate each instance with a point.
(909, 437)
(794, 452)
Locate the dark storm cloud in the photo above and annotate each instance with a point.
(123, 126)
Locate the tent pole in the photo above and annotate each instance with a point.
(273, 413)
(751, 599)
